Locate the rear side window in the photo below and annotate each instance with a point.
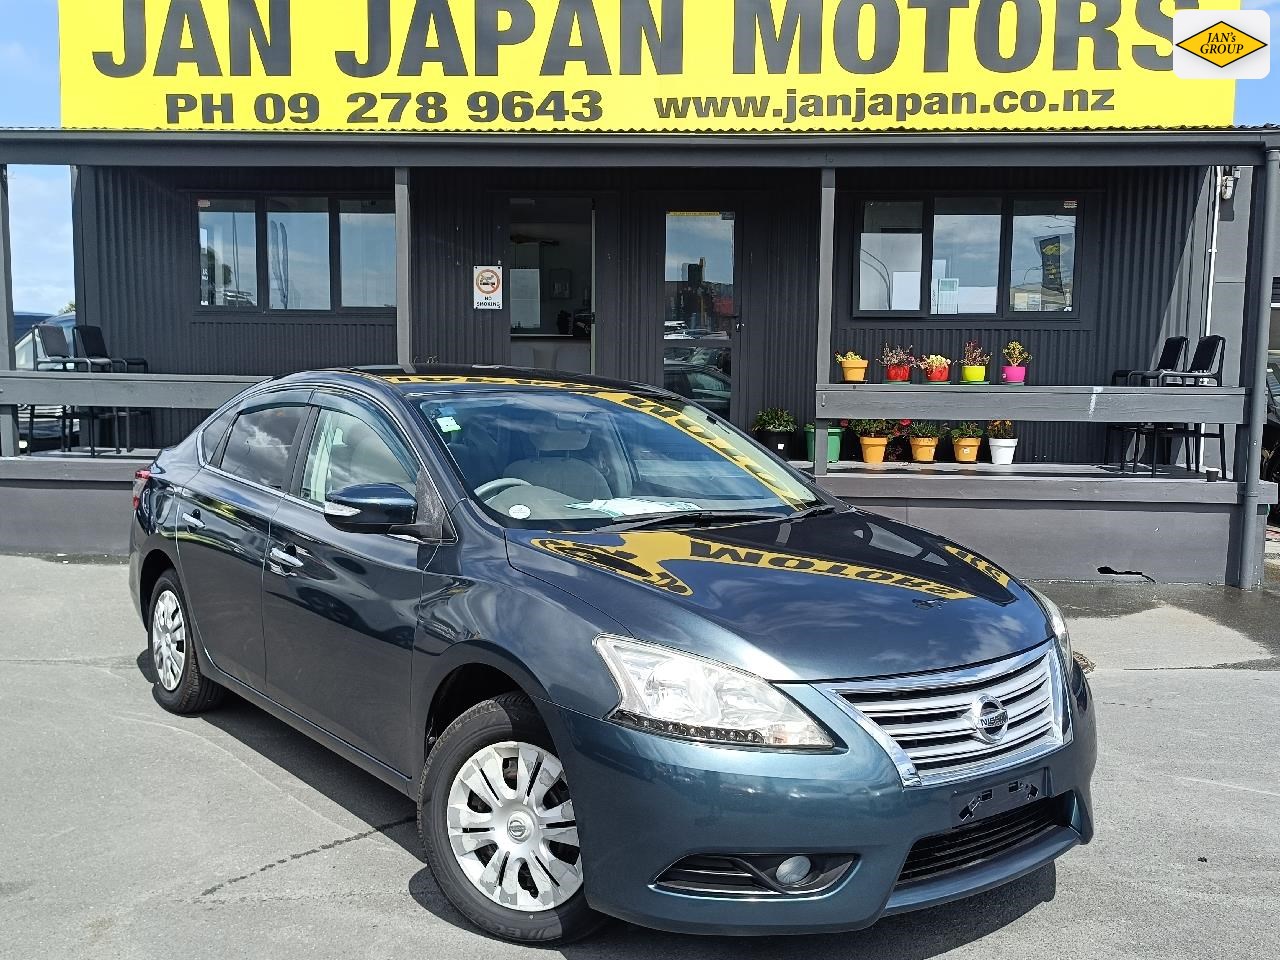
(212, 435)
(260, 444)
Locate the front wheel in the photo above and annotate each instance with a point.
(497, 822)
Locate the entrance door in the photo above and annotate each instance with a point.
(702, 320)
(551, 254)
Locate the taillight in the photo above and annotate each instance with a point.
(140, 479)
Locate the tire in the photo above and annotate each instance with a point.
(504, 737)
(180, 687)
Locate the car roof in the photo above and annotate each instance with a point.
(447, 377)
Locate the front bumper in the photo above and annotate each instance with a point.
(644, 802)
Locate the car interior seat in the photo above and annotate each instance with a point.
(559, 465)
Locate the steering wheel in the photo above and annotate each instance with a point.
(486, 490)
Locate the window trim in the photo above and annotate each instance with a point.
(1080, 317)
(262, 268)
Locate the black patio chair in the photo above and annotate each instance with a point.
(1170, 359)
(92, 346)
(1204, 370)
(52, 352)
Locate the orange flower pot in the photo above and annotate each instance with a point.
(873, 448)
(855, 371)
(923, 449)
(966, 449)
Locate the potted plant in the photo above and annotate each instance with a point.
(873, 436)
(773, 427)
(965, 440)
(973, 367)
(897, 362)
(835, 433)
(1002, 438)
(924, 435)
(1015, 363)
(937, 368)
(852, 366)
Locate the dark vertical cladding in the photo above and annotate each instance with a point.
(1152, 232)
(135, 236)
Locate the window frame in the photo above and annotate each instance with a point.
(262, 268)
(270, 401)
(1085, 278)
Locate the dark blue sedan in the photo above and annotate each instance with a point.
(627, 662)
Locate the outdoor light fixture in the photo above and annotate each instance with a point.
(1227, 183)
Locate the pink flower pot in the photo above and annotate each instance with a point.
(1013, 374)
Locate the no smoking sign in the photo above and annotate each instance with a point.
(488, 288)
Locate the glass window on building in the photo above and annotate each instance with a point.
(298, 253)
(890, 255)
(702, 307)
(966, 256)
(1000, 257)
(1043, 264)
(367, 245)
(228, 253)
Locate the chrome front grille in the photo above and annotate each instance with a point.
(958, 724)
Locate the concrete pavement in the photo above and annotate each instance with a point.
(131, 833)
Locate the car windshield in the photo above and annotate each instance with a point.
(581, 457)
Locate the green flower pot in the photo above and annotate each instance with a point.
(833, 443)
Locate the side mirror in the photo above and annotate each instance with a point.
(370, 508)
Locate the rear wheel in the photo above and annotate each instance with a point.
(180, 686)
(497, 821)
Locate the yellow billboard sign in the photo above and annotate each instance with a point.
(628, 65)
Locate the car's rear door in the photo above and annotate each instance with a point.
(340, 609)
(223, 529)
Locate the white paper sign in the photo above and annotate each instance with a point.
(487, 284)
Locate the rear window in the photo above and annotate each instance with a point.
(260, 443)
(212, 435)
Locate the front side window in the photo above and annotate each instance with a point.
(983, 256)
(579, 459)
(260, 443)
(346, 451)
(228, 253)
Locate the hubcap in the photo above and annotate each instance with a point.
(168, 640)
(512, 827)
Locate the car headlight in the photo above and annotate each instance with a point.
(1057, 623)
(680, 695)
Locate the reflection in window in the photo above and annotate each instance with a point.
(367, 240)
(890, 254)
(228, 253)
(966, 256)
(699, 274)
(260, 443)
(1044, 256)
(298, 253)
(346, 451)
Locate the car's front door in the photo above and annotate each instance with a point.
(340, 609)
(224, 524)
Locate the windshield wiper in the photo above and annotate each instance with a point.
(815, 510)
(687, 518)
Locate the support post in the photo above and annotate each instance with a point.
(404, 272)
(9, 412)
(1248, 566)
(826, 296)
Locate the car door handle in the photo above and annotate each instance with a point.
(286, 558)
(193, 520)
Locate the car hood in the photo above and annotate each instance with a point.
(831, 596)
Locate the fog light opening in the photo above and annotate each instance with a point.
(793, 871)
